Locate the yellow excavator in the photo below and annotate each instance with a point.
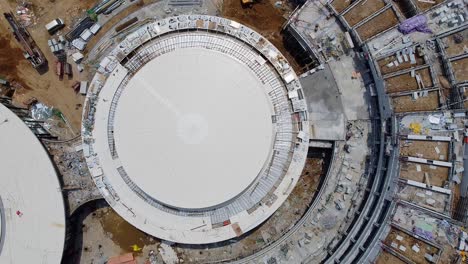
(248, 3)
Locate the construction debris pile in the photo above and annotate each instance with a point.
(85, 35)
(25, 14)
(53, 120)
(450, 15)
(77, 183)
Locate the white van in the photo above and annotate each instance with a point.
(54, 25)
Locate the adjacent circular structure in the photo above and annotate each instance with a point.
(32, 211)
(193, 129)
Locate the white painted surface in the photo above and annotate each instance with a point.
(29, 185)
(193, 128)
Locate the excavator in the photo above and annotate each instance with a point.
(248, 3)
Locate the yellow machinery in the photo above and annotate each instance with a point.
(247, 3)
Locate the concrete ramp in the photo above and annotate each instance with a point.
(326, 115)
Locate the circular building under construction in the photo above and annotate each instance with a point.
(195, 129)
(32, 209)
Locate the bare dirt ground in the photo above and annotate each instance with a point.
(408, 242)
(405, 103)
(47, 88)
(378, 24)
(454, 49)
(265, 18)
(425, 6)
(404, 82)
(341, 5)
(362, 11)
(402, 66)
(460, 69)
(387, 258)
(425, 149)
(437, 175)
(11, 56)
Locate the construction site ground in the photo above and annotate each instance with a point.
(460, 69)
(405, 82)
(265, 18)
(341, 5)
(100, 233)
(145, 11)
(388, 258)
(403, 243)
(106, 234)
(406, 103)
(443, 234)
(431, 200)
(343, 189)
(437, 175)
(115, 20)
(425, 5)
(433, 150)
(362, 10)
(78, 186)
(47, 88)
(402, 66)
(283, 219)
(380, 23)
(418, 123)
(452, 48)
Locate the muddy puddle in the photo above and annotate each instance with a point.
(121, 232)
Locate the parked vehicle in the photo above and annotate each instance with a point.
(59, 69)
(83, 87)
(76, 86)
(68, 69)
(55, 25)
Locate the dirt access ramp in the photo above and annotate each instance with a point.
(265, 18)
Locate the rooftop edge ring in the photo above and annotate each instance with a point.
(195, 129)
